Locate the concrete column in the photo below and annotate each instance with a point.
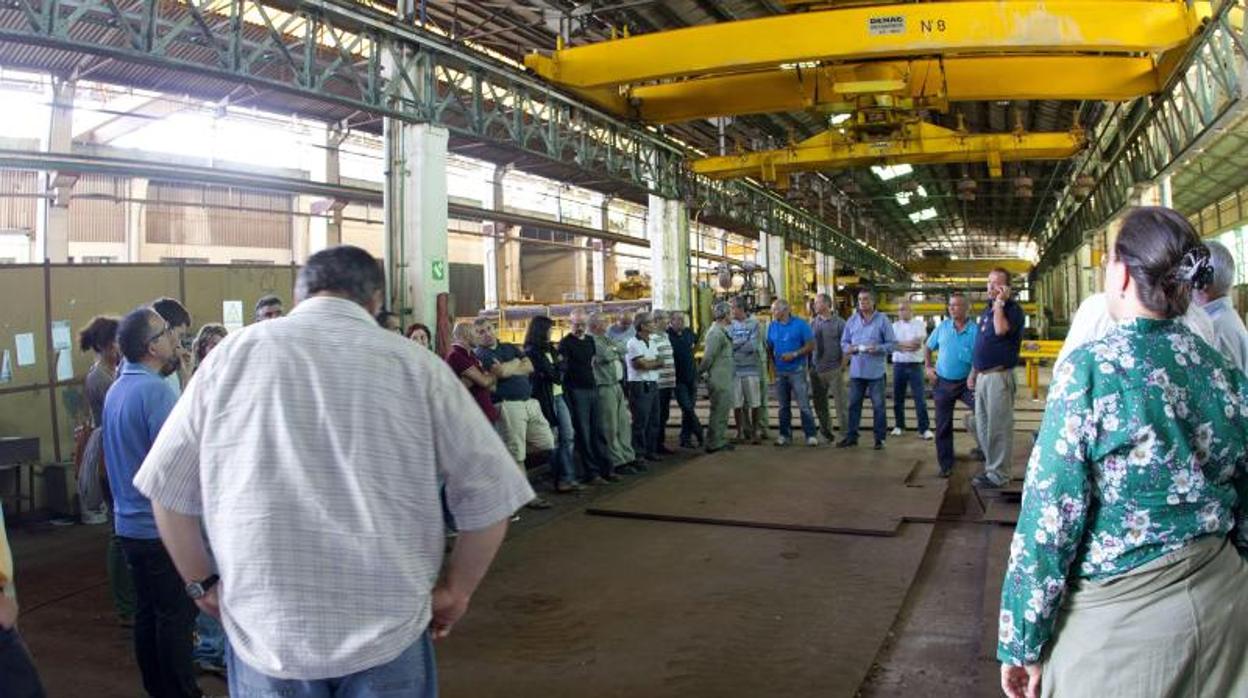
(52, 224)
(136, 221)
(417, 269)
(489, 259)
(825, 273)
(599, 290)
(334, 136)
(777, 258)
(667, 227)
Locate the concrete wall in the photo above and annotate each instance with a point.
(34, 402)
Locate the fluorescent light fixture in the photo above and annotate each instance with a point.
(838, 119)
(891, 171)
(903, 197)
(925, 215)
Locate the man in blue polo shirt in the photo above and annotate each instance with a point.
(134, 412)
(954, 342)
(992, 378)
(867, 340)
(790, 342)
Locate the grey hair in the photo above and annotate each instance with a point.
(720, 311)
(824, 297)
(1223, 269)
(867, 291)
(343, 270)
(639, 318)
(780, 304)
(594, 319)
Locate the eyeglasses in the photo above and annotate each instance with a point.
(159, 334)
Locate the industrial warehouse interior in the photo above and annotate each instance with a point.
(475, 348)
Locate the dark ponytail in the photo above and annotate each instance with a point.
(1165, 257)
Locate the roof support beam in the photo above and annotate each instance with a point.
(919, 143)
(858, 33)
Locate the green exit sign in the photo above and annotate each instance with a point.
(439, 269)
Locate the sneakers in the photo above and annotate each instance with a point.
(927, 435)
(944, 474)
(812, 441)
(846, 443)
(725, 447)
(879, 445)
(597, 481)
(983, 482)
(782, 441)
(896, 431)
(539, 503)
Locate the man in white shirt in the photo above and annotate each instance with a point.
(908, 370)
(1093, 321)
(643, 362)
(312, 446)
(1230, 336)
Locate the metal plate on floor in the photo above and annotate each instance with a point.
(608, 607)
(856, 491)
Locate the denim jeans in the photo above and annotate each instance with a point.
(412, 674)
(858, 389)
(18, 678)
(211, 646)
(946, 395)
(909, 375)
(562, 459)
(687, 398)
(664, 405)
(163, 622)
(643, 398)
(789, 387)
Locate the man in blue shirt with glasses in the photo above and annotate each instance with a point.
(868, 340)
(134, 412)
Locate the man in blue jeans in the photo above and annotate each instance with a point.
(911, 333)
(790, 342)
(320, 499)
(867, 340)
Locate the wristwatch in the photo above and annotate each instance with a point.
(197, 590)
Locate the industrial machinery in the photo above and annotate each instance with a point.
(755, 284)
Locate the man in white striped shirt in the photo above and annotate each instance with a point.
(311, 446)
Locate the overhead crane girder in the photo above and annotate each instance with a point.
(964, 267)
(919, 143)
(934, 83)
(1124, 27)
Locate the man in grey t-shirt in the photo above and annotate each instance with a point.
(827, 372)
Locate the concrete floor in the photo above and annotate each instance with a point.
(937, 645)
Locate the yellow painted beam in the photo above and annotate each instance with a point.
(920, 144)
(950, 28)
(1076, 78)
(964, 267)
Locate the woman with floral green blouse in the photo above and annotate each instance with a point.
(1126, 573)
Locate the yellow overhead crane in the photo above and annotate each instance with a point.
(978, 27)
(916, 143)
(931, 83)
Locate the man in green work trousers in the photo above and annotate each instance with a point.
(717, 365)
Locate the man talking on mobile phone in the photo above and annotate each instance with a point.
(992, 378)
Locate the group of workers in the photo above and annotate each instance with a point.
(1126, 574)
